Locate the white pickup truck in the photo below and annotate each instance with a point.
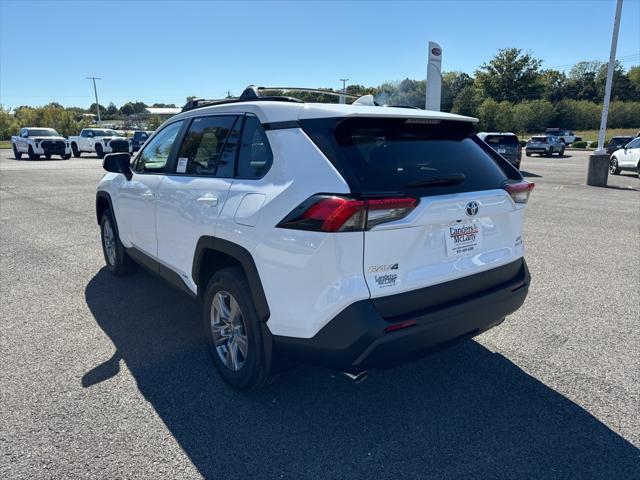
(99, 141)
(565, 136)
(39, 141)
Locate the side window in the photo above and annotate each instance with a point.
(203, 151)
(634, 144)
(255, 154)
(154, 155)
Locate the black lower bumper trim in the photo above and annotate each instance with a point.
(356, 340)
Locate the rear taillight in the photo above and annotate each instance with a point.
(519, 191)
(333, 213)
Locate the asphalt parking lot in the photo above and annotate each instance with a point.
(107, 378)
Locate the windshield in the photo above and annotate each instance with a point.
(379, 155)
(43, 132)
(105, 133)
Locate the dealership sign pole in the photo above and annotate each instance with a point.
(597, 171)
(434, 78)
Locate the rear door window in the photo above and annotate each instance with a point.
(495, 140)
(382, 155)
(203, 149)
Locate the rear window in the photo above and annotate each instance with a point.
(540, 139)
(381, 155)
(501, 140)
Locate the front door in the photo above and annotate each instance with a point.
(136, 203)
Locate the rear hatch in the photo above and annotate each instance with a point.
(463, 220)
(506, 145)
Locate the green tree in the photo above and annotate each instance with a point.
(8, 124)
(554, 85)
(634, 82)
(621, 87)
(581, 83)
(511, 75)
(92, 109)
(452, 85)
(112, 110)
(467, 101)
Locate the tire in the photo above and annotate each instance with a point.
(47, 156)
(66, 156)
(115, 256)
(561, 152)
(246, 370)
(16, 154)
(527, 154)
(75, 151)
(613, 166)
(99, 151)
(32, 155)
(638, 170)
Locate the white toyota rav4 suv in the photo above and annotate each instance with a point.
(353, 237)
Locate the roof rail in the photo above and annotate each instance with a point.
(253, 94)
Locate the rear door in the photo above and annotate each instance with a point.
(193, 194)
(464, 223)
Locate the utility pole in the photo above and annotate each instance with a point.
(95, 92)
(598, 169)
(344, 90)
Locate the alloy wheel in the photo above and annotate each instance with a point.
(109, 240)
(229, 331)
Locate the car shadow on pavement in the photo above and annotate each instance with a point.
(466, 412)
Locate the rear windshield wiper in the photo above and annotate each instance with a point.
(438, 180)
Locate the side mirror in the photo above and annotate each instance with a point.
(118, 163)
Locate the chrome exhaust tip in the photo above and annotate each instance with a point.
(357, 377)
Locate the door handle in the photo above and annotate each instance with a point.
(208, 201)
(148, 195)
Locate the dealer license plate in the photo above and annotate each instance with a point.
(463, 238)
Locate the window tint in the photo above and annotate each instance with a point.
(377, 155)
(204, 146)
(634, 144)
(501, 140)
(255, 153)
(154, 155)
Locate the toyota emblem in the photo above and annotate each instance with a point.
(472, 208)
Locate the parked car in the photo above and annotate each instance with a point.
(36, 141)
(626, 158)
(544, 145)
(353, 237)
(617, 142)
(565, 136)
(138, 139)
(506, 144)
(99, 141)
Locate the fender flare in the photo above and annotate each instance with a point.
(105, 195)
(245, 259)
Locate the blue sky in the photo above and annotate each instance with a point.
(162, 51)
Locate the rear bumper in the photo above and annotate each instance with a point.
(356, 340)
